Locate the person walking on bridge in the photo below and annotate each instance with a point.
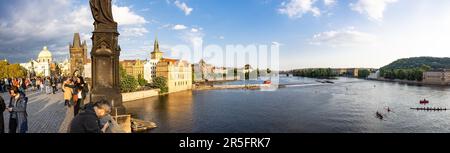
(2, 109)
(18, 112)
(67, 92)
(47, 84)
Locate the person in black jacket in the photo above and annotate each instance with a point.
(17, 108)
(88, 121)
(2, 109)
(53, 83)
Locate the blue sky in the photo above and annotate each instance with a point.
(312, 33)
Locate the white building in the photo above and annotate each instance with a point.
(65, 67)
(150, 69)
(375, 75)
(41, 66)
(150, 65)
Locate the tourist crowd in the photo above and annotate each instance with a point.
(88, 117)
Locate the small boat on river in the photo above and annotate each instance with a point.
(267, 82)
(424, 102)
(430, 109)
(379, 115)
(328, 81)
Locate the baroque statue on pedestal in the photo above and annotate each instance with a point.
(102, 13)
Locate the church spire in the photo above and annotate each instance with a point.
(156, 54)
(76, 41)
(156, 45)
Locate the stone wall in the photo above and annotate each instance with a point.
(126, 97)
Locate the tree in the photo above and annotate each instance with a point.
(127, 82)
(400, 74)
(160, 83)
(235, 71)
(3, 69)
(142, 82)
(247, 71)
(364, 73)
(413, 68)
(16, 71)
(122, 71)
(257, 73)
(315, 73)
(12, 70)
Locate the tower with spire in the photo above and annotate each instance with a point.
(150, 65)
(78, 54)
(156, 54)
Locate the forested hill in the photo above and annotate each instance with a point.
(417, 62)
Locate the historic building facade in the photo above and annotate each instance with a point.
(65, 67)
(207, 72)
(134, 68)
(178, 74)
(78, 55)
(41, 66)
(437, 77)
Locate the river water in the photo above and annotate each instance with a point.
(348, 106)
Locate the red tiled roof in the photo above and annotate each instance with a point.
(169, 60)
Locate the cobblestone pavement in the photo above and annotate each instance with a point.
(46, 112)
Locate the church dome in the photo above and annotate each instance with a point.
(45, 55)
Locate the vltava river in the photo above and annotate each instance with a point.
(349, 105)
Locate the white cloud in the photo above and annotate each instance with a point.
(296, 8)
(276, 43)
(52, 23)
(221, 37)
(134, 31)
(343, 38)
(373, 8)
(329, 2)
(184, 7)
(124, 16)
(25, 32)
(179, 27)
(85, 36)
(194, 30)
(195, 39)
(82, 17)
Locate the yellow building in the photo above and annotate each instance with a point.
(178, 74)
(134, 68)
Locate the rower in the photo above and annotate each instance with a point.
(379, 115)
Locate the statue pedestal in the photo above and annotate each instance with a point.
(115, 97)
(105, 68)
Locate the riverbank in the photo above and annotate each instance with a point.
(417, 83)
(408, 82)
(222, 87)
(131, 96)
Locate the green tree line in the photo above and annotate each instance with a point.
(12, 70)
(315, 73)
(129, 83)
(412, 74)
(412, 68)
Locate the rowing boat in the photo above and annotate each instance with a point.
(431, 109)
